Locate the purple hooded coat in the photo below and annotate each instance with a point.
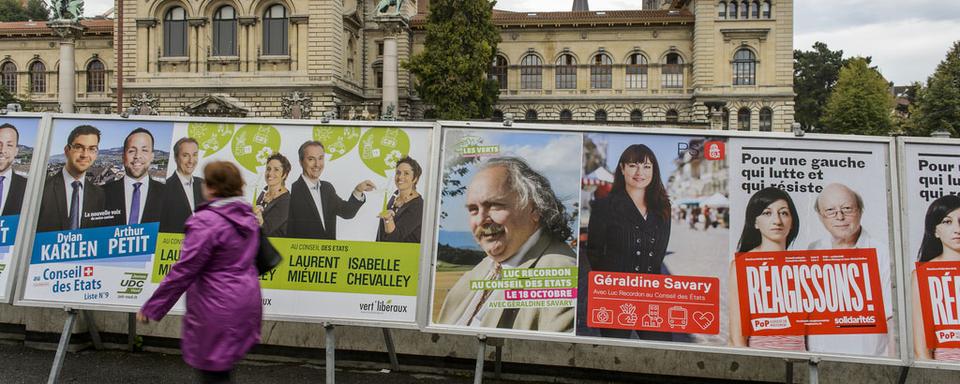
(216, 269)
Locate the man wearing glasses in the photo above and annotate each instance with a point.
(840, 210)
(69, 200)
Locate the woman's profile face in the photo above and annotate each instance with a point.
(637, 175)
(775, 222)
(948, 231)
(274, 173)
(404, 177)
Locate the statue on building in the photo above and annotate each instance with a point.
(144, 104)
(67, 9)
(296, 106)
(384, 5)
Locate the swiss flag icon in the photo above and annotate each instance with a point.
(714, 150)
(87, 271)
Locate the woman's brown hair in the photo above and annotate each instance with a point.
(223, 179)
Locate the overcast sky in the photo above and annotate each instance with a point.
(907, 39)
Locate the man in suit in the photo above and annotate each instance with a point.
(138, 197)
(183, 190)
(69, 200)
(518, 222)
(12, 185)
(314, 203)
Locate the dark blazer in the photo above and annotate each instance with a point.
(275, 215)
(54, 215)
(304, 220)
(408, 221)
(619, 239)
(152, 208)
(176, 207)
(15, 195)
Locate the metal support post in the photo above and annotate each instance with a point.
(62, 347)
(904, 371)
(481, 350)
(391, 350)
(331, 351)
(814, 365)
(788, 372)
(498, 363)
(92, 329)
(131, 331)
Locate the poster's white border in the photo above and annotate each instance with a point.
(29, 217)
(429, 326)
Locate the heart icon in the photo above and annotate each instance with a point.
(703, 319)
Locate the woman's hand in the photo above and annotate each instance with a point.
(258, 211)
(142, 318)
(386, 215)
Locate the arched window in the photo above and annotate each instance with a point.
(725, 115)
(225, 31)
(601, 72)
(96, 77)
(275, 30)
(673, 116)
(755, 9)
(566, 69)
(672, 71)
(498, 71)
(497, 115)
(175, 33)
(745, 9)
(766, 119)
(600, 115)
(38, 77)
(722, 10)
(743, 119)
(765, 11)
(636, 115)
(530, 115)
(732, 11)
(637, 71)
(8, 76)
(531, 72)
(566, 115)
(744, 67)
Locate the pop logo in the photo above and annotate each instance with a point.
(713, 150)
(87, 271)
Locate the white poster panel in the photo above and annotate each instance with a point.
(18, 137)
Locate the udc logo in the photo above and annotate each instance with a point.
(133, 284)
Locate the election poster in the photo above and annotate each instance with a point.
(343, 205)
(506, 253)
(653, 234)
(18, 137)
(931, 222)
(811, 260)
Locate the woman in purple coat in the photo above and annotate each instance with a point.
(216, 269)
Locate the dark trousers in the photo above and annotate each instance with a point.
(214, 377)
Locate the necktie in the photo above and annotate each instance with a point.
(135, 205)
(1, 188)
(486, 293)
(75, 205)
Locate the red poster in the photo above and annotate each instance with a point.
(939, 284)
(816, 292)
(665, 303)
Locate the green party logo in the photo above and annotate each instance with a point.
(337, 141)
(254, 143)
(472, 146)
(382, 148)
(211, 136)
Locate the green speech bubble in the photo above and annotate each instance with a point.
(211, 136)
(254, 143)
(381, 148)
(337, 141)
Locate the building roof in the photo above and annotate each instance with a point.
(574, 18)
(40, 28)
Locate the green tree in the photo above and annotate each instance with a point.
(6, 97)
(11, 10)
(451, 72)
(37, 10)
(814, 75)
(860, 103)
(938, 103)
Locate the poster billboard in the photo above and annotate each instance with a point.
(931, 222)
(694, 240)
(18, 138)
(342, 203)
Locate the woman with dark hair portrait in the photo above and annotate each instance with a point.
(770, 225)
(273, 202)
(401, 220)
(629, 228)
(941, 242)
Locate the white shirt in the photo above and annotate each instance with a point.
(874, 344)
(128, 195)
(67, 181)
(314, 187)
(187, 183)
(497, 295)
(7, 179)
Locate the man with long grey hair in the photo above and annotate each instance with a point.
(518, 222)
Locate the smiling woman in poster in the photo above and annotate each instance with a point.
(273, 203)
(402, 218)
(629, 229)
(941, 242)
(771, 224)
